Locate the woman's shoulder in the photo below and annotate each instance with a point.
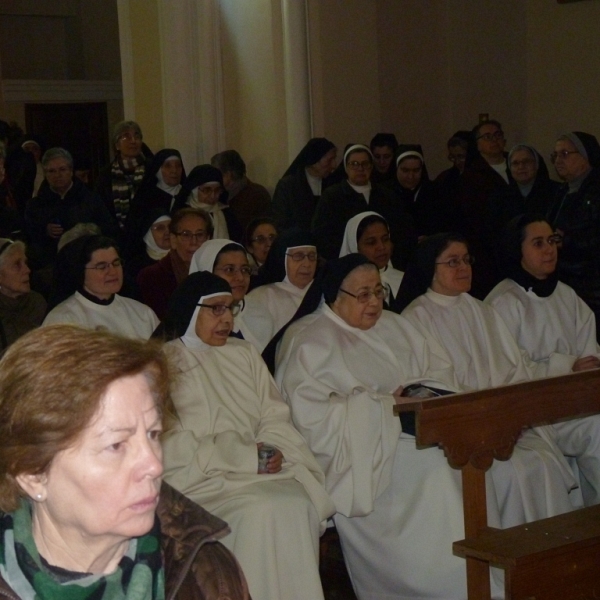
(197, 565)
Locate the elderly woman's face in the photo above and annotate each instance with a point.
(325, 165)
(214, 329)
(171, 171)
(209, 193)
(522, 167)
(129, 144)
(451, 279)
(161, 234)
(14, 274)
(191, 233)
(234, 268)
(261, 241)
(105, 487)
(375, 244)
(358, 167)
(539, 252)
(300, 265)
(362, 315)
(103, 273)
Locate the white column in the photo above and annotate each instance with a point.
(296, 74)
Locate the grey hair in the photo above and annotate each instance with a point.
(121, 127)
(10, 250)
(54, 153)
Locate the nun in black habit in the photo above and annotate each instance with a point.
(298, 191)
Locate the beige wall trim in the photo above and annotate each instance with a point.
(126, 48)
(38, 90)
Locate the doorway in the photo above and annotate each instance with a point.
(81, 128)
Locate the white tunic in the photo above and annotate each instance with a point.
(123, 316)
(227, 402)
(273, 305)
(485, 355)
(398, 508)
(556, 330)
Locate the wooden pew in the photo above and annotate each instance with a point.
(556, 558)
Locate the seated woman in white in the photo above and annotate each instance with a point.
(229, 261)
(89, 272)
(399, 508)
(554, 326)
(287, 274)
(484, 355)
(228, 406)
(368, 233)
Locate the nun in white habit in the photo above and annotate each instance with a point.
(288, 274)
(398, 508)
(229, 261)
(555, 326)
(434, 298)
(368, 233)
(228, 406)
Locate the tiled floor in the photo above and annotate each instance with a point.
(334, 576)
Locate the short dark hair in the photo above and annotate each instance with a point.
(230, 161)
(477, 127)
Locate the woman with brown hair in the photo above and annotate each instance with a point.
(83, 513)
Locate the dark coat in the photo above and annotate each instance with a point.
(294, 203)
(577, 216)
(80, 205)
(252, 201)
(156, 284)
(197, 566)
(341, 202)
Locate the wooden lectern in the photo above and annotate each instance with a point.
(551, 559)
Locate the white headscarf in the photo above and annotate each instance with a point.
(153, 250)
(190, 338)
(204, 258)
(214, 210)
(170, 189)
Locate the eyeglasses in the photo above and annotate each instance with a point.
(104, 266)
(264, 239)
(131, 137)
(188, 236)
(564, 154)
(490, 137)
(219, 310)
(160, 227)
(246, 271)
(298, 256)
(454, 263)
(457, 158)
(526, 162)
(59, 170)
(365, 164)
(380, 293)
(551, 240)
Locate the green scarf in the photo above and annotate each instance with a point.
(139, 575)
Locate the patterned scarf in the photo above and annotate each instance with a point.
(139, 575)
(127, 174)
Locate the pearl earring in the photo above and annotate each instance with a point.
(38, 496)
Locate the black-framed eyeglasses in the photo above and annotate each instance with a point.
(355, 164)
(264, 239)
(188, 236)
(298, 256)
(490, 137)
(219, 310)
(454, 263)
(564, 154)
(363, 297)
(104, 266)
